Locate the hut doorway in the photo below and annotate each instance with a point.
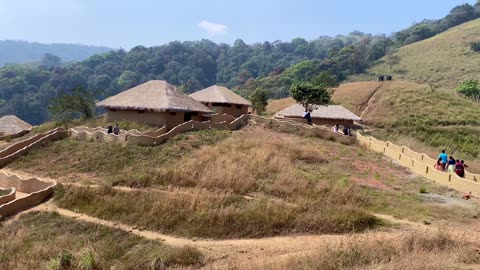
(187, 116)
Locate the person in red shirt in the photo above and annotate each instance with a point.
(460, 169)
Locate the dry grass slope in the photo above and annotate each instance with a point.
(355, 96)
(255, 182)
(410, 251)
(277, 105)
(36, 240)
(444, 60)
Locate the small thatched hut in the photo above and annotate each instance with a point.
(10, 124)
(154, 102)
(324, 115)
(222, 100)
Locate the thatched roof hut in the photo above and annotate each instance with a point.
(10, 124)
(331, 114)
(156, 96)
(222, 100)
(219, 94)
(154, 102)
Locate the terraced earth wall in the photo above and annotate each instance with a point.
(15, 150)
(36, 190)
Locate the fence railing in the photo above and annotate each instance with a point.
(422, 164)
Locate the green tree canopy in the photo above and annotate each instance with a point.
(315, 93)
(259, 100)
(78, 103)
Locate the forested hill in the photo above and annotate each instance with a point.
(14, 51)
(192, 65)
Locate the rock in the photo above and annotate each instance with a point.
(426, 222)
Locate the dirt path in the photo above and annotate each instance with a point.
(373, 97)
(223, 252)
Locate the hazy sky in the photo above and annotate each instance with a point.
(118, 23)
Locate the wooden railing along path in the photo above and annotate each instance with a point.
(422, 164)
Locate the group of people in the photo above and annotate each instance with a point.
(382, 78)
(113, 129)
(449, 164)
(347, 131)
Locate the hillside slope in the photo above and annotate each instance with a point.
(415, 115)
(444, 60)
(19, 52)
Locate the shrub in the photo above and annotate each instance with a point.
(63, 261)
(88, 261)
(423, 190)
(470, 89)
(475, 46)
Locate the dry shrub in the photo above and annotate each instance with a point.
(41, 240)
(217, 215)
(416, 250)
(244, 164)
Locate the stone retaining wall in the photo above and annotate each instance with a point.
(422, 164)
(36, 189)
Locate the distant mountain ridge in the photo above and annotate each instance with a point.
(18, 51)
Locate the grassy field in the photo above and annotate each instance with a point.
(355, 96)
(251, 183)
(430, 250)
(113, 164)
(444, 60)
(276, 105)
(49, 241)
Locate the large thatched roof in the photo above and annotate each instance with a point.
(10, 124)
(219, 94)
(324, 112)
(158, 96)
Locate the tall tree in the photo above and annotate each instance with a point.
(318, 92)
(392, 60)
(50, 60)
(259, 100)
(78, 104)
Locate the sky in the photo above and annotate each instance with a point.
(125, 24)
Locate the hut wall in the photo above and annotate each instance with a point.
(323, 121)
(167, 119)
(232, 110)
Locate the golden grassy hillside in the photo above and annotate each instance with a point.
(444, 60)
(416, 115)
(276, 105)
(355, 96)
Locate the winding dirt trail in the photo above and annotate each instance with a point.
(373, 98)
(222, 252)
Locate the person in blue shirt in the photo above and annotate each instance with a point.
(443, 157)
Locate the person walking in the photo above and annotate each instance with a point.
(439, 165)
(335, 128)
(451, 165)
(116, 130)
(444, 157)
(460, 169)
(308, 115)
(110, 130)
